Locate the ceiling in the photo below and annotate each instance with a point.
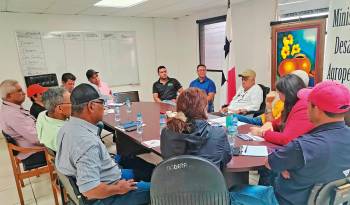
(150, 8)
(291, 6)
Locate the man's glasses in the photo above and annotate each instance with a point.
(99, 101)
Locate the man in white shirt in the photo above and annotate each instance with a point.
(249, 96)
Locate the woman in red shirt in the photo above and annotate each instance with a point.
(294, 120)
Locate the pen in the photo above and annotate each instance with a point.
(245, 150)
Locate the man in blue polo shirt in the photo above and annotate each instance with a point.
(320, 156)
(205, 84)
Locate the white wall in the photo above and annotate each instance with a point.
(144, 28)
(169, 42)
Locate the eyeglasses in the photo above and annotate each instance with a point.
(99, 101)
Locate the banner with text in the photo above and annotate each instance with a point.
(337, 55)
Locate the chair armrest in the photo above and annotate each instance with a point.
(26, 150)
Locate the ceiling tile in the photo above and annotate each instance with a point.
(2, 5)
(28, 6)
(147, 6)
(70, 6)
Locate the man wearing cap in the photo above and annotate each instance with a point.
(320, 156)
(35, 93)
(18, 122)
(206, 84)
(249, 96)
(94, 78)
(81, 153)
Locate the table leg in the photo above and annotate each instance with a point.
(236, 178)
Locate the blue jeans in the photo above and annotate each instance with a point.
(249, 195)
(136, 197)
(250, 120)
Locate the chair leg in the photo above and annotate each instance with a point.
(19, 189)
(22, 183)
(53, 184)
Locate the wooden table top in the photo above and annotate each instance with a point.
(151, 114)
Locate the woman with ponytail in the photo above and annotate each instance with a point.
(188, 133)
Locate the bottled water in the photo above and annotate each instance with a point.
(162, 121)
(231, 128)
(128, 105)
(117, 114)
(139, 122)
(115, 98)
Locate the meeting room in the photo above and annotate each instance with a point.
(175, 102)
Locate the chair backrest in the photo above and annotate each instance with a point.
(46, 80)
(188, 180)
(10, 140)
(333, 193)
(261, 110)
(132, 95)
(70, 186)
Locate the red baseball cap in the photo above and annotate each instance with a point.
(329, 96)
(35, 89)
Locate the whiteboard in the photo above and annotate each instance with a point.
(112, 53)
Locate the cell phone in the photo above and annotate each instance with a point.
(130, 129)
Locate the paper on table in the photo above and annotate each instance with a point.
(257, 151)
(152, 143)
(256, 138)
(222, 121)
(113, 104)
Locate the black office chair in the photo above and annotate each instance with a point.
(46, 80)
(132, 95)
(188, 180)
(261, 110)
(332, 193)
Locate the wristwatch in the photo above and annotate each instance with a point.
(268, 110)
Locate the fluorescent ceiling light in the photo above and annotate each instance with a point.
(118, 3)
(288, 3)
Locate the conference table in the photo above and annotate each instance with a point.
(236, 171)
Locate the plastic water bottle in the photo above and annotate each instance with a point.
(115, 98)
(162, 121)
(139, 123)
(231, 127)
(128, 105)
(117, 114)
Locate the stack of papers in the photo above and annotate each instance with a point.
(152, 143)
(256, 151)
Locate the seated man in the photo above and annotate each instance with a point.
(81, 153)
(165, 89)
(94, 79)
(57, 103)
(322, 155)
(68, 81)
(18, 122)
(35, 93)
(249, 96)
(205, 84)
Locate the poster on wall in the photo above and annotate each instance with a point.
(337, 58)
(298, 46)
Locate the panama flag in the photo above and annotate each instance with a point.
(228, 82)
